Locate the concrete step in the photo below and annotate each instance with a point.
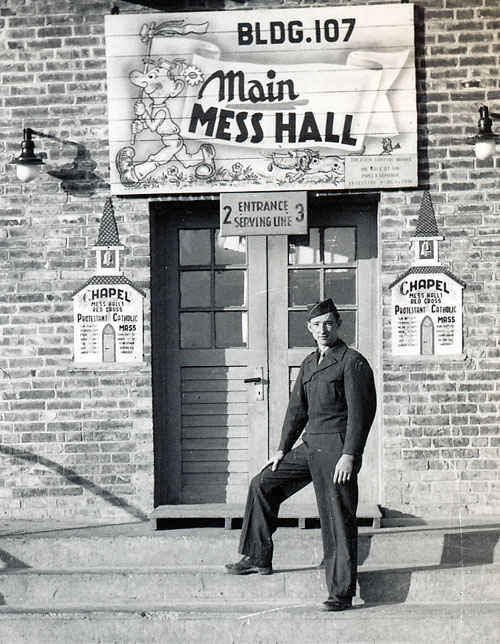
(254, 624)
(410, 584)
(136, 545)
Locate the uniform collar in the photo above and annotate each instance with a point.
(334, 354)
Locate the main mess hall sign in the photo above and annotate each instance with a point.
(262, 100)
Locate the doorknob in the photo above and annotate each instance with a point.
(256, 379)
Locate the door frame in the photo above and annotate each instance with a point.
(167, 453)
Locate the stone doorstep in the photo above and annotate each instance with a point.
(399, 584)
(252, 623)
(232, 512)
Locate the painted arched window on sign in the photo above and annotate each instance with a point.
(427, 337)
(108, 344)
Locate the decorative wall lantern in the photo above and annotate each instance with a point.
(28, 163)
(485, 140)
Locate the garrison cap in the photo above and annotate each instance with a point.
(326, 306)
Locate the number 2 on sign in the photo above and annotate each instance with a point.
(227, 218)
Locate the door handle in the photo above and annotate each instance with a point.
(258, 381)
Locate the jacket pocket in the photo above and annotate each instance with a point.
(336, 387)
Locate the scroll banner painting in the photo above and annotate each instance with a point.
(290, 99)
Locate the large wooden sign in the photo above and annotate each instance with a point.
(262, 100)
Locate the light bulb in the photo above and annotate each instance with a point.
(485, 149)
(27, 171)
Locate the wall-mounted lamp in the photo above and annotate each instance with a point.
(485, 140)
(78, 178)
(28, 163)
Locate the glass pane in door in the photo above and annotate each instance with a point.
(322, 264)
(212, 284)
(340, 285)
(303, 287)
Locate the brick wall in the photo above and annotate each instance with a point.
(77, 442)
(441, 428)
(74, 442)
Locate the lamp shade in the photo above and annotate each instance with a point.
(484, 149)
(27, 171)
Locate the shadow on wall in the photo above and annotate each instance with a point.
(78, 178)
(75, 478)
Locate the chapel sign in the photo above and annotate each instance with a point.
(108, 308)
(262, 100)
(426, 301)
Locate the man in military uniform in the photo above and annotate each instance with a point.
(334, 401)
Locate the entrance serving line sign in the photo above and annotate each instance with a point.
(284, 99)
(263, 213)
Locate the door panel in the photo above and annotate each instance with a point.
(214, 456)
(336, 259)
(210, 427)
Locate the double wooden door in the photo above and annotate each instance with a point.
(229, 334)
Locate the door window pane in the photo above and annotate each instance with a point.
(340, 245)
(305, 249)
(348, 329)
(303, 287)
(230, 288)
(195, 330)
(340, 285)
(195, 288)
(230, 250)
(230, 329)
(194, 247)
(298, 335)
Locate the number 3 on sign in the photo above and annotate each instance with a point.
(301, 212)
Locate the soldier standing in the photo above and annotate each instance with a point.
(334, 401)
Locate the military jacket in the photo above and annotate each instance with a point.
(335, 396)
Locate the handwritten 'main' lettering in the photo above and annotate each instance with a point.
(234, 84)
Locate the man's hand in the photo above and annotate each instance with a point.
(275, 459)
(343, 469)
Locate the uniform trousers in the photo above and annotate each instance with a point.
(315, 460)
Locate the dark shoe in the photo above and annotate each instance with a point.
(246, 566)
(336, 605)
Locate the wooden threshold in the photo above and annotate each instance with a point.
(230, 512)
